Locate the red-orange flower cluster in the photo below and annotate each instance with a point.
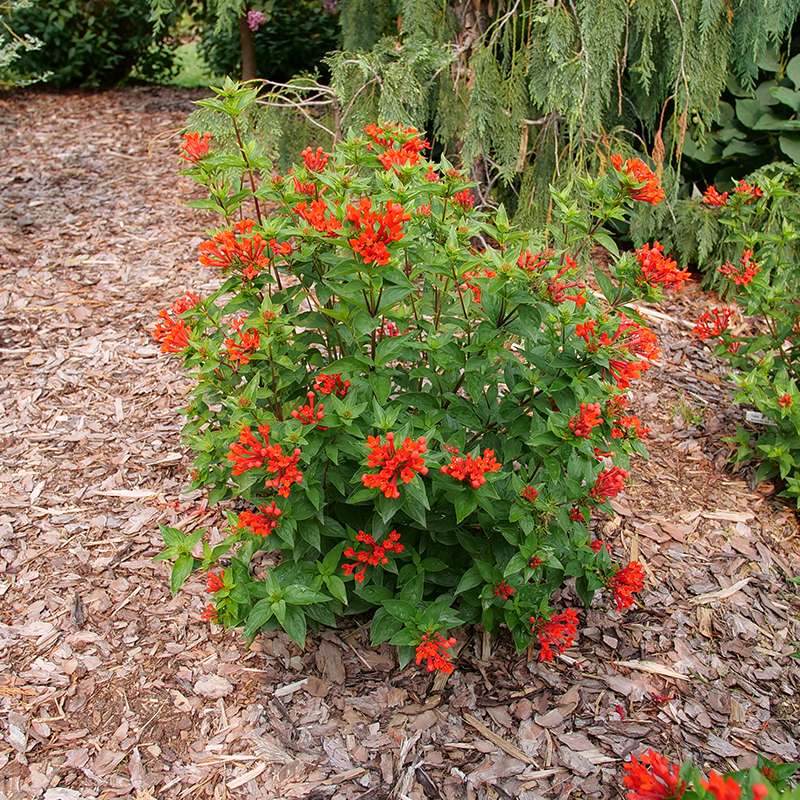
(651, 191)
(331, 384)
(210, 613)
(588, 418)
(743, 187)
(433, 649)
(376, 229)
(711, 197)
(625, 583)
(713, 323)
(315, 161)
(531, 262)
(375, 555)
(743, 275)
(195, 146)
(472, 470)
(401, 464)
(785, 401)
(465, 199)
(557, 289)
(250, 453)
(530, 493)
(556, 634)
(318, 216)
(609, 483)
(310, 413)
(401, 146)
(214, 582)
(242, 343)
(722, 788)
(651, 777)
(171, 331)
(236, 248)
(504, 590)
(629, 426)
(471, 275)
(261, 524)
(657, 268)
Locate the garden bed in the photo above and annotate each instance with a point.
(110, 687)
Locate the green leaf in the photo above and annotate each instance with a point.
(336, 587)
(259, 615)
(403, 610)
(793, 71)
(299, 595)
(469, 580)
(181, 570)
(384, 626)
(790, 144)
(295, 624)
(465, 503)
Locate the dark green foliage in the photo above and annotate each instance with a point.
(90, 42)
(295, 38)
(755, 126)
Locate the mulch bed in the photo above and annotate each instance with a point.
(111, 688)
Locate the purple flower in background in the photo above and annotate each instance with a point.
(255, 19)
(331, 6)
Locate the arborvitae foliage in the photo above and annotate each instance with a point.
(536, 90)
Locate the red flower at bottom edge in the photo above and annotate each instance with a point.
(651, 776)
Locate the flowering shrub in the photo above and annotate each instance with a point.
(411, 407)
(652, 776)
(761, 281)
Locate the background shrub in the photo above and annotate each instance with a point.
(91, 42)
(294, 39)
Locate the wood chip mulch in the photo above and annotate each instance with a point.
(110, 688)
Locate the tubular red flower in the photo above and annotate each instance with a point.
(629, 426)
(658, 269)
(210, 613)
(433, 650)
(785, 401)
(373, 556)
(713, 323)
(245, 343)
(609, 483)
(465, 199)
(235, 248)
(650, 776)
(375, 229)
(260, 524)
(310, 414)
(331, 384)
(745, 274)
(557, 289)
(556, 634)
(588, 418)
(318, 216)
(721, 787)
(314, 161)
(743, 187)
(711, 197)
(250, 453)
(651, 191)
(195, 146)
(214, 582)
(401, 464)
(472, 470)
(504, 590)
(171, 331)
(530, 494)
(625, 583)
(531, 262)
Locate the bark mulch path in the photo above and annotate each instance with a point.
(111, 688)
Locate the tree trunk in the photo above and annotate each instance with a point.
(248, 50)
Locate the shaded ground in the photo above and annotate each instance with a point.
(110, 688)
